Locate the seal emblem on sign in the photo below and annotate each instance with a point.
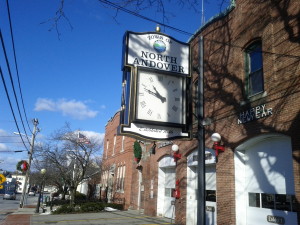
(159, 46)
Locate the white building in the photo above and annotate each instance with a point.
(21, 182)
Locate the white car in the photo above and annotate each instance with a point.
(9, 195)
(31, 193)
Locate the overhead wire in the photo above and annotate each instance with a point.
(16, 65)
(143, 17)
(118, 7)
(9, 101)
(12, 84)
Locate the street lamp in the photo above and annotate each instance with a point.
(216, 138)
(43, 172)
(176, 154)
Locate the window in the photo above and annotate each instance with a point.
(283, 202)
(118, 178)
(210, 195)
(104, 179)
(272, 201)
(169, 192)
(195, 100)
(267, 201)
(254, 200)
(107, 145)
(115, 138)
(123, 139)
(254, 70)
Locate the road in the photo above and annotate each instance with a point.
(9, 206)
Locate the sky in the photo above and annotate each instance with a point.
(74, 77)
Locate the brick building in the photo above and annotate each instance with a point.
(119, 174)
(252, 99)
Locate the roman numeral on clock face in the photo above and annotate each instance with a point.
(143, 104)
(158, 116)
(150, 112)
(175, 108)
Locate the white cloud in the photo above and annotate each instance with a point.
(10, 163)
(44, 104)
(75, 109)
(3, 147)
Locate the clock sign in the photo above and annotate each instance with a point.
(156, 98)
(160, 98)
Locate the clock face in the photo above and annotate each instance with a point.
(160, 97)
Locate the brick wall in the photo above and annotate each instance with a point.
(120, 157)
(224, 42)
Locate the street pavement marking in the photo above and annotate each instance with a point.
(114, 218)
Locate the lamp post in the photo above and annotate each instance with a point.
(35, 130)
(43, 172)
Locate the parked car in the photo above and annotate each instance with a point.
(31, 193)
(9, 195)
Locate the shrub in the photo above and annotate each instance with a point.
(57, 202)
(64, 209)
(79, 196)
(84, 207)
(91, 207)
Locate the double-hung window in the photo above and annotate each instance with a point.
(254, 70)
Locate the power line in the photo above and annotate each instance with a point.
(10, 75)
(16, 65)
(182, 31)
(15, 151)
(143, 17)
(8, 98)
(12, 82)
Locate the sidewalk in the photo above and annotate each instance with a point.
(27, 216)
(20, 217)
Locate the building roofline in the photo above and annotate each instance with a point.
(213, 19)
(111, 118)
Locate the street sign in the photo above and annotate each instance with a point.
(1, 186)
(2, 178)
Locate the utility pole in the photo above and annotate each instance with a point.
(201, 217)
(35, 130)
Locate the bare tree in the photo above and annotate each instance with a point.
(69, 158)
(133, 7)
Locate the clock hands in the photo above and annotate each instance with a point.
(156, 94)
(163, 99)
